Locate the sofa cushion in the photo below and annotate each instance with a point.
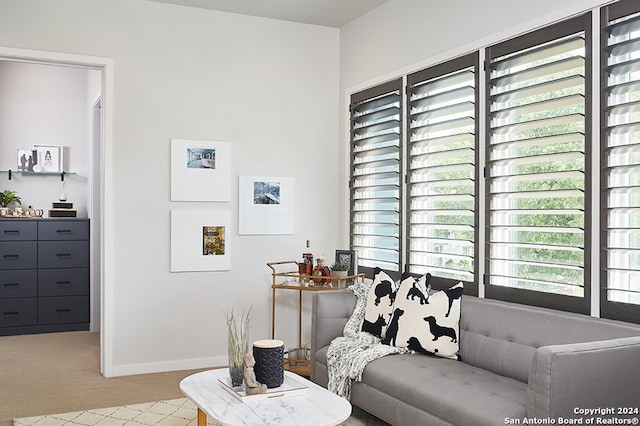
(440, 386)
(426, 323)
(379, 304)
(436, 385)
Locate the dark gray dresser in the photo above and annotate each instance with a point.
(44, 275)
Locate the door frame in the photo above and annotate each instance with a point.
(103, 230)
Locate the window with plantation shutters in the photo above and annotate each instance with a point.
(376, 135)
(510, 205)
(441, 169)
(620, 160)
(536, 167)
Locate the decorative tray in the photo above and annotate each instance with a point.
(290, 387)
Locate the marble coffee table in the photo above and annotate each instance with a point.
(312, 406)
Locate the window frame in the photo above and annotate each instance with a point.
(440, 70)
(609, 309)
(531, 39)
(357, 99)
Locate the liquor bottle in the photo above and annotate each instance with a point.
(321, 270)
(306, 266)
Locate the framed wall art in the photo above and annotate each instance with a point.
(200, 240)
(50, 158)
(265, 205)
(200, 170)
(349, 257)
(27, 160)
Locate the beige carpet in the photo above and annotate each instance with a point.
(54, 373)
(60, 372)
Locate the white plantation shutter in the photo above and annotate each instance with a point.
(620, 199)
(441, 165)
(536, 166)
(376, 135)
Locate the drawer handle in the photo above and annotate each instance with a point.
(64, 283)
(6, 314)
(11, 231)
(11, 284)
(12, 256)
(63, 311)
(63, 254)
(63, 231)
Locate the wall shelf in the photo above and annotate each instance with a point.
(10, 173)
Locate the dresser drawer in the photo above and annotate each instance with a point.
(63, 254)
(63, 310)
(18, 312)
(63, 282)
(61, 230)
(18, 255)
(18, 230)
(21, 283)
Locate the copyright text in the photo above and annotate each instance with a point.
(585, 416)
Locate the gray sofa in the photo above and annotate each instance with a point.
(517, 362)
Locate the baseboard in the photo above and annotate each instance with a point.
(161, 367)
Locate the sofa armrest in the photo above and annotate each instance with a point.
(330, 311)
(588, 375)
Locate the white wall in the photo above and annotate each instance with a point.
(268, 87)
(44, 105)
(402, 36)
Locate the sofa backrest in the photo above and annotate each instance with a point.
(330, 314)
(502, 337)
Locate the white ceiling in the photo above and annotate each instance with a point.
(330, 13)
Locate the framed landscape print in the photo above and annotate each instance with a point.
(200, 240)
(265, 205)
(200, 170)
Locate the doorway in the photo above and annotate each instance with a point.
(96, 173)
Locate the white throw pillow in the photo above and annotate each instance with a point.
(426, 323)
(379, 306)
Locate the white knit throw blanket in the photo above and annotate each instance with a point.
(348, 355)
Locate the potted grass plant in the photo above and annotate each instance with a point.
(237, 345)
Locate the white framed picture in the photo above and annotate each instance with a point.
(200, 170)
(266, 205)
(50, 158)
(27, 160)
(200, 240)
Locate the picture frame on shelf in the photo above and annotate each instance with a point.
(50, 158)
(350, 257)
(27, 160)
